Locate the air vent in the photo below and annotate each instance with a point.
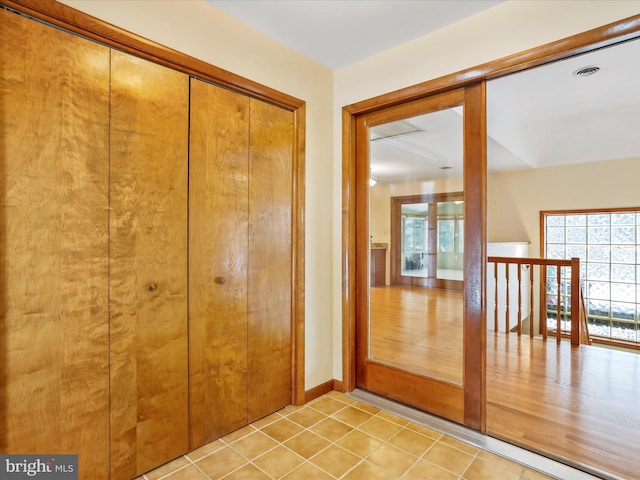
(393, 129)
(586, 71)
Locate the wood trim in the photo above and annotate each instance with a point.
(318, 391)
(338, 386)
(362, 243)
(475, 264)
(77, 22)
(530, 260)
(348, 253)
(606, 35)
(73, 20)
(437, 397)
(626, 29)
(298, 256)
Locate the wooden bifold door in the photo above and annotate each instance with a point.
(148, 264)
(145, 255)
(54, 231)
(239, 275)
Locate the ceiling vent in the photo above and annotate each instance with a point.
(586, 71)
(393, 129)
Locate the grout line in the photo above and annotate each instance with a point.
(511, 452)
(360, 403)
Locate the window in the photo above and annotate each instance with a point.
(414, 242)
(608, 245)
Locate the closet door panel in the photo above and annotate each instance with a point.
(269, 287)
(148, 265)
(54, 112)
(218, 238)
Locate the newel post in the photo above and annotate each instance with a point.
(575, 301)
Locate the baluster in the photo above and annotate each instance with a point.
(506, 270)
(495, 286)
(531, 321)
(558, 327)
(543, 301)
(519, 267)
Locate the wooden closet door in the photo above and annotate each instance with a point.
(270, 261)
(218, 243)
(54, 358)
(148, 265)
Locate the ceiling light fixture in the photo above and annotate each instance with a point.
(372, 181)
(586, 71)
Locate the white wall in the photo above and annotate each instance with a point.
(198, 29)
(507, 28)
(515, 199)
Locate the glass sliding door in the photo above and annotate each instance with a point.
(411, 331)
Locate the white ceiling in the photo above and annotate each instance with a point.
(538, 118)
(542, 117)
(337, 33)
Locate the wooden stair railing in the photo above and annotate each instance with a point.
(579, 330)
(585, 339)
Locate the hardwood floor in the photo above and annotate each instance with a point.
(419, 329)
(580, 405)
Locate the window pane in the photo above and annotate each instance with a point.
(623, 273)
(576, 235)
(599, 234)
(621, 254)
(622, 292)
(598, 271)
(599, 308)
(577, 251)
(598, 253)
(623, 331)
(555, 220)
(623, 310)
(599, 219)
(626, 218)
(445, 235)
(555, 234)
(598, 290)
(555, 251)
(576, 220)
(623, 235)
(599, 327)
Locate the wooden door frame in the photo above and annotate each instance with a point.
(74, 21)
(474, 184)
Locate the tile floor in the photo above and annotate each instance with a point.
(338, 437)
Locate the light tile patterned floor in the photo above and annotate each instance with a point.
(337, 437)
